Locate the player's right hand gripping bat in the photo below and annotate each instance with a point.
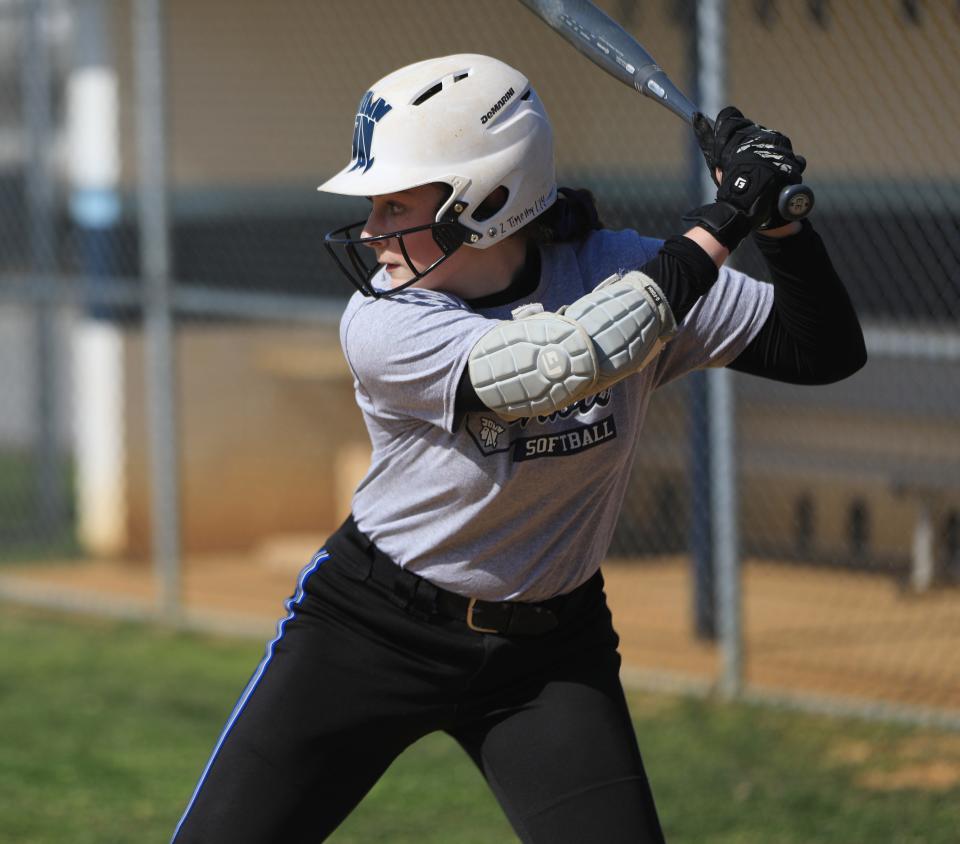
(607, 44)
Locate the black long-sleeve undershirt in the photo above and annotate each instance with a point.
(683, 271)
(811, 336)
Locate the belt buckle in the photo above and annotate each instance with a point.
(470, 608)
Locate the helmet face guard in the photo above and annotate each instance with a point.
(360, 271)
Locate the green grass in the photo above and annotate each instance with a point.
(105, 726)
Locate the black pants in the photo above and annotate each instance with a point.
(353, 679)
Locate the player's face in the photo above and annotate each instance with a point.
(403, 210)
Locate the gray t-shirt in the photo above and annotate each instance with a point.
(521, 510)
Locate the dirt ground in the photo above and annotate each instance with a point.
(808, 630)
(805, 629)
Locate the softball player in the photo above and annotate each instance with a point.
(504, 348)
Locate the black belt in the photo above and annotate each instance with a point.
(508, 618)
(420, 597)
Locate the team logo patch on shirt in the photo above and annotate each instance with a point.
(493, 435)
(490, 431)
(565, 443)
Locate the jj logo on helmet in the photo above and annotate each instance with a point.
(369, 115)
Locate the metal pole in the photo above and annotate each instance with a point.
(701, 533)
(160, 352)
(711, 44)
(703, 597)
(36, 87)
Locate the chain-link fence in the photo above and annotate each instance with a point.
(177, 416)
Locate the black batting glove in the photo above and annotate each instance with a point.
(735, 140)
(756, 163)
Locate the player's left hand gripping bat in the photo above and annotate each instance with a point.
(602, 40)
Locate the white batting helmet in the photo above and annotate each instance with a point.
(467, 121)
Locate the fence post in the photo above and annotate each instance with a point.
(38, 119)
(711, 49)
(159, 341)
(100, 456)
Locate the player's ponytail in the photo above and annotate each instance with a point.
(572, 217)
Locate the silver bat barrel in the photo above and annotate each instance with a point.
(608, 45)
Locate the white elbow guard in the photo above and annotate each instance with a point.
(541, 362)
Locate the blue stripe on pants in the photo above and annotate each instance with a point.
(292, 604)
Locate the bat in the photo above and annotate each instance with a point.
(602, 40)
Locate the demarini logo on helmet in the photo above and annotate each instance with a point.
(369, 114)
(499, 104)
